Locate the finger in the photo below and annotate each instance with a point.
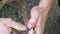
(9, 22)
(34, 17)
(17, 26)
(31, 23)
(34, 14)
(31, 31)
(39, 26)
(4, 29)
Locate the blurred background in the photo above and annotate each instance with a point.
(19, 10)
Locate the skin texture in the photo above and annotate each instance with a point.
(39, 29)
(39, 15)
(36, 24)
(31, 31)
(7, 26)
(33, 20)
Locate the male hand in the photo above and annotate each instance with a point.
(33, 20)
(34, 17)
(6, 25)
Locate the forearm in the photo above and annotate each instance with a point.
(45, 6)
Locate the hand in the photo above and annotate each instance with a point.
(33, 20)
(6, 25)
(34, 17)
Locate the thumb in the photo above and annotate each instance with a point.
(17, 26)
